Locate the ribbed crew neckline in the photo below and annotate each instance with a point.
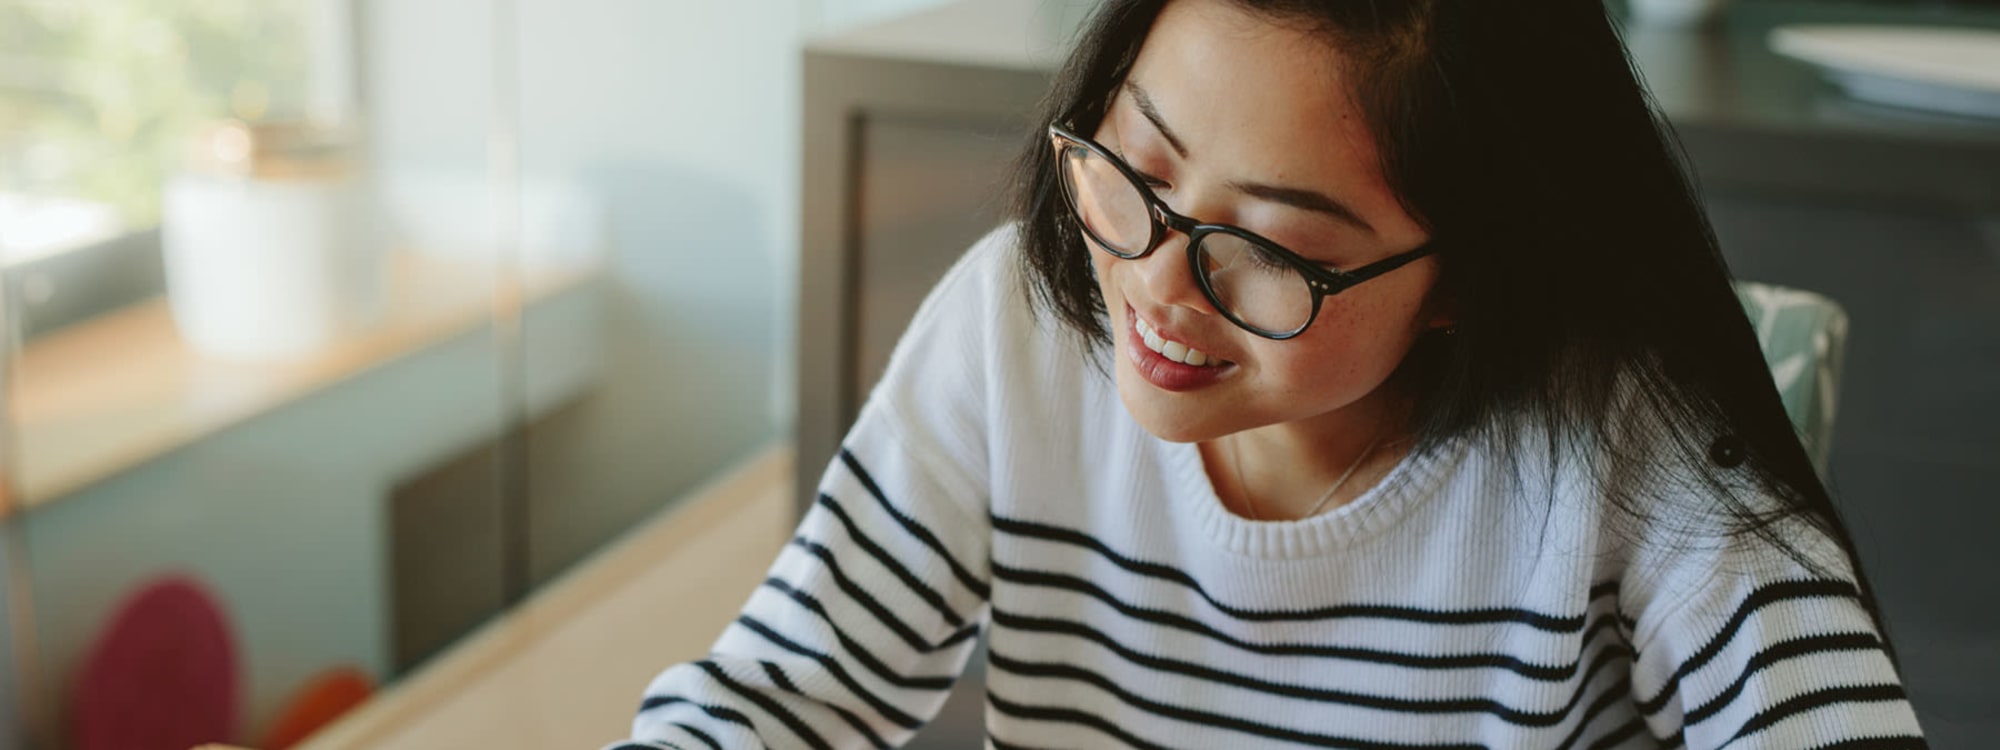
(1414, 479)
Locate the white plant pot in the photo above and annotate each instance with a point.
(266, 269)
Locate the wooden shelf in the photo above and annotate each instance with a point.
(104, 396)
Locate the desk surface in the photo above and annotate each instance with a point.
(566, 667)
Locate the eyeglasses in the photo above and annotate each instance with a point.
(1255, 283)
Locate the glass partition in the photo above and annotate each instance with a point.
(258, 360)
(336, 329)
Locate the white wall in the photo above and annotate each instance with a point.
(824, 17)
(681, 117)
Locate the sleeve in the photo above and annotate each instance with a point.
(869, 615)
(1760, 651)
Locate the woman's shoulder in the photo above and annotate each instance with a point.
(974, 288)
(985, 298)
(987, 302)
(1672, 524)
(1747, 549)
(977, 337)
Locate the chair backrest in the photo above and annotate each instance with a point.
(1804, 336)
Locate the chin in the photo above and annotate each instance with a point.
(1163, 420)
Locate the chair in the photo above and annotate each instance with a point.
(1804, 337)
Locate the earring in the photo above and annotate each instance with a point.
(1450, 330)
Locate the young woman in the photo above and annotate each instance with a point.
(1354, 374)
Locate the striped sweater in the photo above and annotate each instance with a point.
(994, 487)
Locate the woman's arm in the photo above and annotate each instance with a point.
(854, 639)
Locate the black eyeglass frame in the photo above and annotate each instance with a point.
(1323, 282)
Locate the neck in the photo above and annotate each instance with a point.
(1281, 471)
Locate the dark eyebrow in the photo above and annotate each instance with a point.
(1310, 200)
(1152, 114)
(1301, 198)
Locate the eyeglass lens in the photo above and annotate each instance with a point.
(1243, 278)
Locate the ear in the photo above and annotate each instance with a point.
(1440, 310)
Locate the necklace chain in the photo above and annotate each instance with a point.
(1250, 503)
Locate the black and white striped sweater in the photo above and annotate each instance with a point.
(994, 486)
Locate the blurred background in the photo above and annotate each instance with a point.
(382, 373)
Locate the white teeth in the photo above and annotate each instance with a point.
(1173, 350)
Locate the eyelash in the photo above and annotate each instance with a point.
(1260, 257)
(1149, 180)
(1265, 259)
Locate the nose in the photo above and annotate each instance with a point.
(1167, 278)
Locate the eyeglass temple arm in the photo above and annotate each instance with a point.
(1349, 278)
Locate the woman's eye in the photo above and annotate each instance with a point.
(1264, 258)
(1149, 180)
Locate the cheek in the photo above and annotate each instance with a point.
(1330, 369)
(1353, 347)
(1101, 263)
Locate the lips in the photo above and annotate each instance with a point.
(1163, 362)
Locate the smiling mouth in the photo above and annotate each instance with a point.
(1171, 365)
(1174, 351)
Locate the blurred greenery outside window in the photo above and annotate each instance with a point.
(100, 100)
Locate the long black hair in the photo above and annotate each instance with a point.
(1585, 277)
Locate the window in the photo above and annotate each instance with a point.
(99, 101)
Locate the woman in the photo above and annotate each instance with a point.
(1355, 374)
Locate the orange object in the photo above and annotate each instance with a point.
(322, 699)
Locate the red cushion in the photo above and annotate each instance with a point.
(163, 676)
